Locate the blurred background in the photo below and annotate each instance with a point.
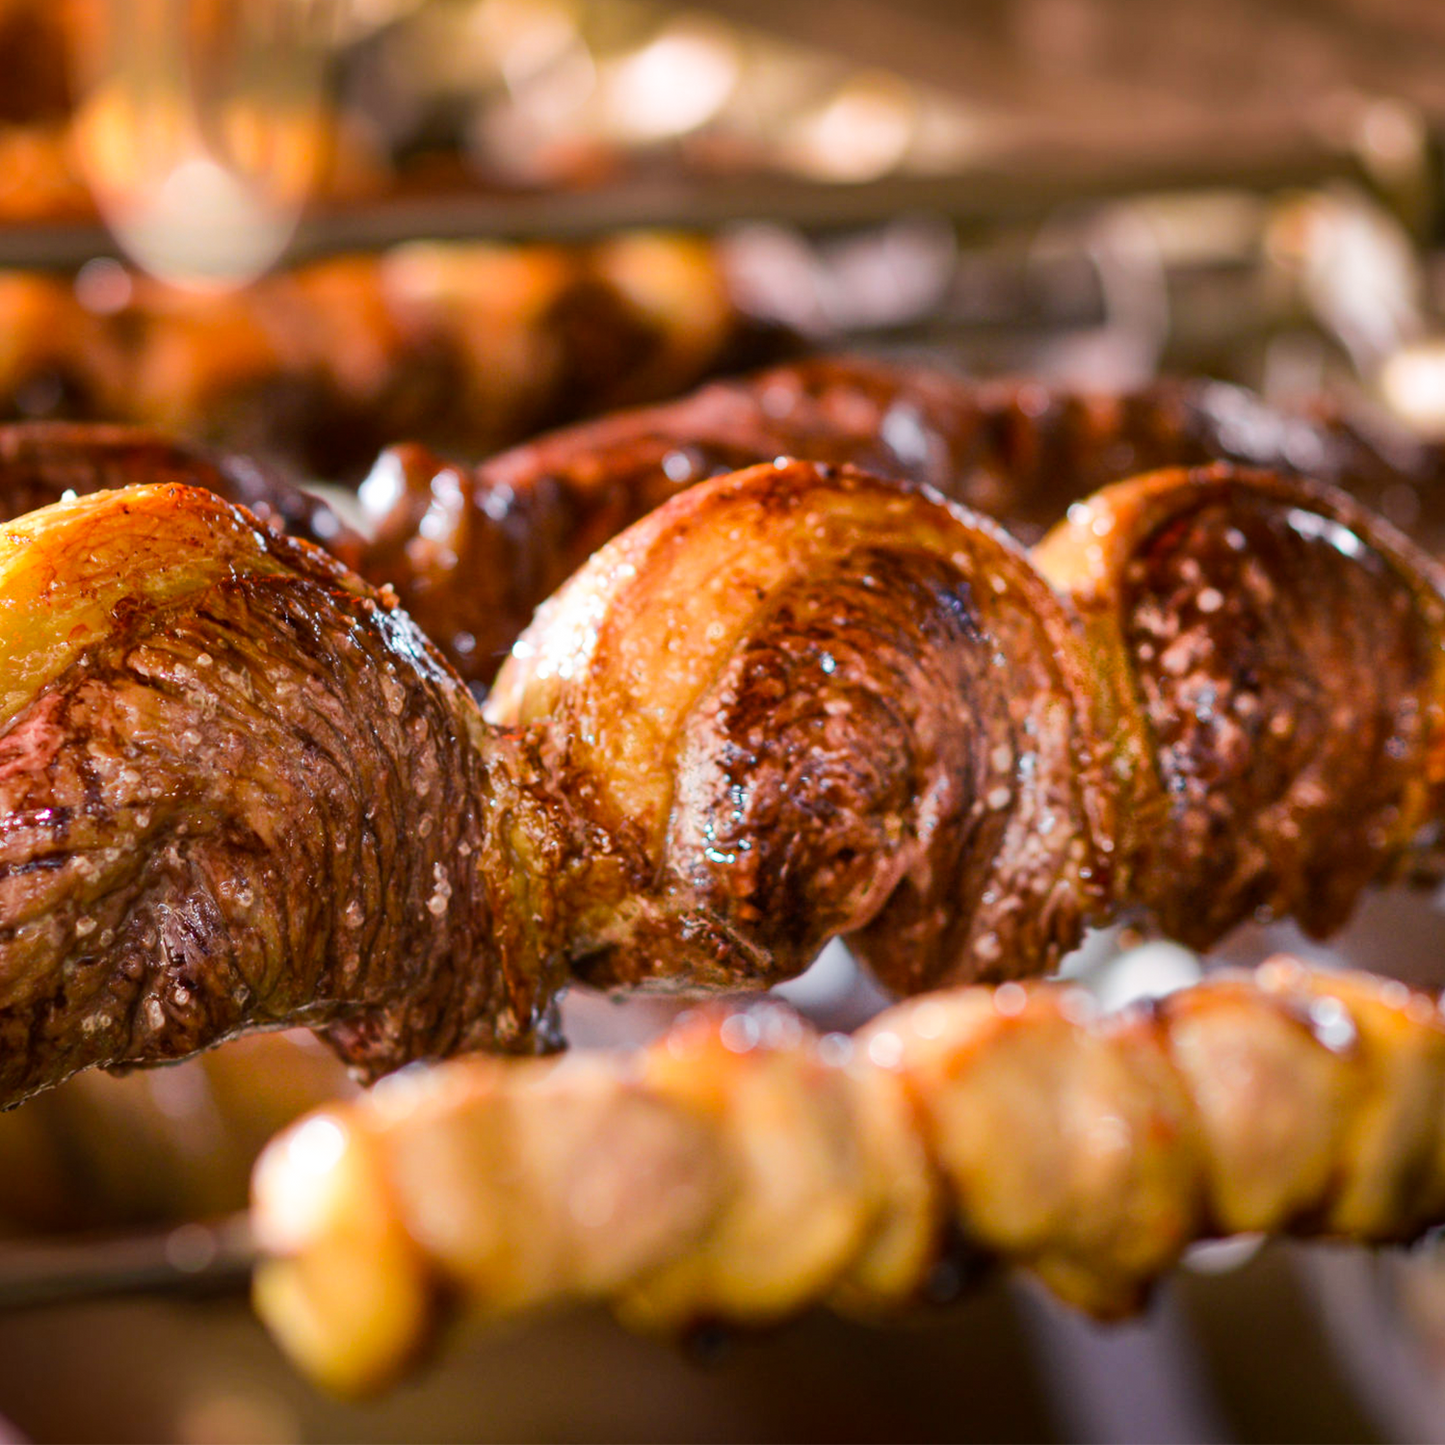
(312, 227)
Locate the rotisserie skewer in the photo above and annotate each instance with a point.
(240, 790)
(740, 1168)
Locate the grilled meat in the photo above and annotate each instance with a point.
(240, 790)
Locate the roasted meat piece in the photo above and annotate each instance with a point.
(239, 788)
(826, 705)
(473, 551)
(1269, 660)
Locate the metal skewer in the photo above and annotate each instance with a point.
(189, 1259)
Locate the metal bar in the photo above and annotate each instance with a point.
(189, 1259)
(1007, 191)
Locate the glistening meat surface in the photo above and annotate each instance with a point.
(239, 789)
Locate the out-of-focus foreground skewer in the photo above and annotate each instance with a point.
(742, 1168)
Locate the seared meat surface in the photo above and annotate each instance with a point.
(472, 551)
(239, 789)
(218, 745)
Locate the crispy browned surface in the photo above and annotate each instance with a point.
(239, 790)
(1271, 658)
(41, 461)
(473, 551)
(813, 704)
(874, 746)
(741, 1169)
(217, 744)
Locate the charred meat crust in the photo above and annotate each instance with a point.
(254, 803)
(1272, 657)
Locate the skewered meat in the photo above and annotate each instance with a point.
(823, 705)
(473, 552)
(240, 790)
(741, 1168)
(1270, 660)
(1262, 683)
(218, 749)
(43, 462)
(467, 345)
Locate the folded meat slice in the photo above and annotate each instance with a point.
(238, 789)
(1269, 657)
(829, 705)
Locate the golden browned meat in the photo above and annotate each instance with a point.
(1270, 660)
(741, 1168)
(1262, 682)
(821, 704)
(473, 552)
(238, 789)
